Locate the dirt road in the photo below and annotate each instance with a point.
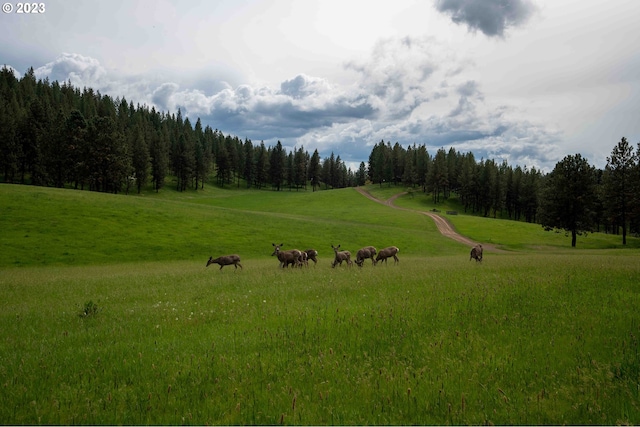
(444, 227)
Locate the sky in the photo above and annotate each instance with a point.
(523, 81)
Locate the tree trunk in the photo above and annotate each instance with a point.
(573, 238)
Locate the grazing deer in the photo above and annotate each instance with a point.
(476, 253)
(364, 253)
(225, 260)
(292, 256)
(304, 259)
(312, 254)
(341, 256)
(389, 252)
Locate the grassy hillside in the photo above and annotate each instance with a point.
(46, 226)
(109, 316)
(512, 235)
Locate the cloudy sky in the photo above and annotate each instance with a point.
(527, 81)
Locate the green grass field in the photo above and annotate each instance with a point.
(109, 316)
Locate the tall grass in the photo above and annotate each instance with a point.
(136, 330)
(517, 340)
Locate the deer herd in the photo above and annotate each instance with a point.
(298, 258)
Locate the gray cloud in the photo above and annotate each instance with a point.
(492, 17)
(410, 90)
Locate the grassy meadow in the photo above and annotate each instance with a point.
(109, 316)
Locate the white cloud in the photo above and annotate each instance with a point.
(563, 83)
(80, 70)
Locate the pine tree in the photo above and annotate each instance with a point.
(568, 197)
(277, 163)
(140, 155)
(315, 170)
(249, 165)
(262, 165)
(619, 188)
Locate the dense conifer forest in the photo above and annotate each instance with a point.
(54, 134)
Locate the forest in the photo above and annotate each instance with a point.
(54, 134)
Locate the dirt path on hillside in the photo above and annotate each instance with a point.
(444, 226)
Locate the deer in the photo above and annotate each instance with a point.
(304, 259)
(389, 252)
(225, 260)
(292, 256)
(341, 256)
(476, 253)
(364, 253)
(312, 254)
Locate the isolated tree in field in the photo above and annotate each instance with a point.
(568, 197)
(619, 185)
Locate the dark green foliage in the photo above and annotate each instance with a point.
(53, 134)
(568, 197)
(621, 186)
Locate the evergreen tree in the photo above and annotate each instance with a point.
(300, 164)
(249, 165)
(277, 163)
(397, 163)
(159, 154)
(422, 166)
(108, 161)
(140, 156)
(619, 186)
(9, 147)
(262, 165)
(438, 178)
(377, 165)
(361, 175)
(315, 170)
(568, 197)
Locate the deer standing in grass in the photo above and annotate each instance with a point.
(389, 252)
(341, 256)
(312, 254)
(476, 253)
(225, 260)
(364, 253)
(292, 256)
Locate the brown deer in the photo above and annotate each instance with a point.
(389, 252)
(341, 256)
(364, 253)
(225, 260)
(312, 255)
(476, 253)
(292, 256)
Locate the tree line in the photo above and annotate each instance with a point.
(58, 135)
(574, 197)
